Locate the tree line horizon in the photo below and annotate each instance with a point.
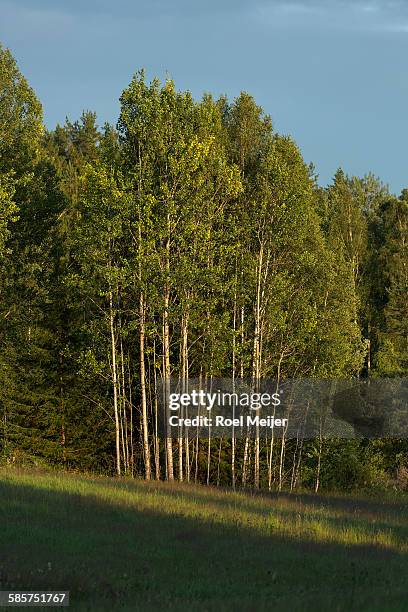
(190, 240)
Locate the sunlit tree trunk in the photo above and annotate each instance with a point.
(145, 422)
(115, 384)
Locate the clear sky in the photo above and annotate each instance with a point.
(331, 73)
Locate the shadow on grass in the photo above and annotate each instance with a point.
(115, 557)
(349, 503)
(354, 504)
(356, 512)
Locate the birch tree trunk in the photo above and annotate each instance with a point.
(145, 422)
(166, 381)
(256, 357)
(115, 384)
(270, 465)
(184, 386)
(166, 349)
(156, 407)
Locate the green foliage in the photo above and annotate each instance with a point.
(191, 240)
(20, 117)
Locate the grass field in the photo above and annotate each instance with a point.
(131, 545)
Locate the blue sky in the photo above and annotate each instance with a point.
(331, 73)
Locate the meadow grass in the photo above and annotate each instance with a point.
(131, 545)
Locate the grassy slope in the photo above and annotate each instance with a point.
(122, 545)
